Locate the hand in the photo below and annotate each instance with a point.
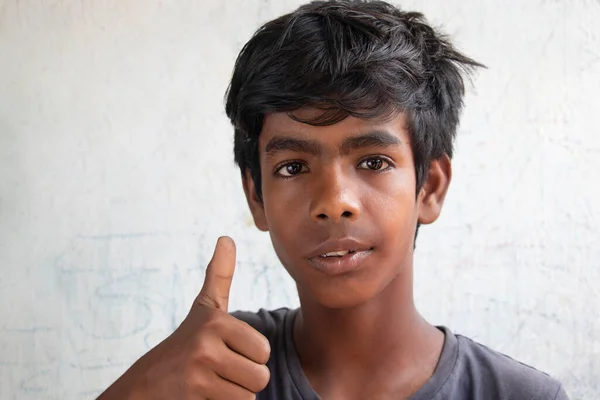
(211, 355)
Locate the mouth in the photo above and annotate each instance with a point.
(339, 248)
(340, 256)
(339, 253)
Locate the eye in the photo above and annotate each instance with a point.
(374, 164)
(291, 169)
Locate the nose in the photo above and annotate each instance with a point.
(334, 199)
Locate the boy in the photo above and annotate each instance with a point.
(344, 115)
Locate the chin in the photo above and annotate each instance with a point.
(340, 293)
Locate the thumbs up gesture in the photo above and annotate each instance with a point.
(211, 355)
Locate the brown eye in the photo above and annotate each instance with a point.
(291, 169)
(374, 164)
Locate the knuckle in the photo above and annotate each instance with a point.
(202, 383)
(261, 379)
(246, 395)
(266, 377)
(207, 358)
(205, 353)
(264, 355)
(195, 379)
(214, 322)
(206, 300)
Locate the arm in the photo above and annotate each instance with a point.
(210, 355)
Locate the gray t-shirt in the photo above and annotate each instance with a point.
(466, 369)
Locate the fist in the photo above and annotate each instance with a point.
(211, 355)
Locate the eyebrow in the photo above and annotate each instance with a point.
(376, 138)
(284, 143)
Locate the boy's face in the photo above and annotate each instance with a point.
(339, 203)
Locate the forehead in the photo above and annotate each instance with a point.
(281, 124)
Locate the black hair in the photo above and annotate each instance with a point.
(366, 59)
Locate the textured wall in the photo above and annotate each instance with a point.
(116, 177)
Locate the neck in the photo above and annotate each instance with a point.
(387, 331)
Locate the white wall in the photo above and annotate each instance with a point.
(116, 178)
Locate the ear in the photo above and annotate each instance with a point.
(432, 194)
(257, 207)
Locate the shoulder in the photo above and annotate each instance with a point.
(267, 322)
(503, 376)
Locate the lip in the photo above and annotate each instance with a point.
(340, 265)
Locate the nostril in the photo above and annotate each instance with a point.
(322, 216)
(346, 214)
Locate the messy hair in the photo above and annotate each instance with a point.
(366, 59)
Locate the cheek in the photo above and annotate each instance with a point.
(393, 195)
(392, 206)
(282, 201)
(284, 212)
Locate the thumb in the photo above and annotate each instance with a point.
(219, 274)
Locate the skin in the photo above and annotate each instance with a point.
(359, 334)
(211, 355)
